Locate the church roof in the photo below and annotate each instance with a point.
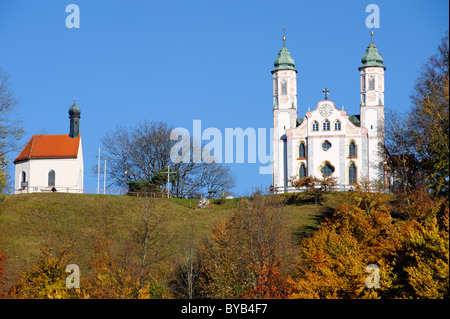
(372, 57)
(355, 119)
(50, 146)
(284, 60)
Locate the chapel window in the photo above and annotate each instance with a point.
(371, 83)
(327, 169)
(337, 125)
(326, 145)
(302, 172)
(283, 87)
(315, 126)
(326, 125)
(352, 149)
(51, 178)
(302, 150)
(352, 174)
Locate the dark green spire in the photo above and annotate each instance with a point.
(74, 116)
(284, 60)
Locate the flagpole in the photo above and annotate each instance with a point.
(98, 176)
(104, 180)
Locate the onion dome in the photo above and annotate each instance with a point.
(74, 111)
(284, 60)
(372, 56)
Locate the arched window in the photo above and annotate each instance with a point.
(283, 87)
(326, 125)
(315, 126)
(337, 125)
(302, 150)
(371, 83)
(24, 177)
(326, 145)
(352, 149)
(352, 174)
(302, 172)
(363, 84)
(327, 169)
(51, 178)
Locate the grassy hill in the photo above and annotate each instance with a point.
(31, 221)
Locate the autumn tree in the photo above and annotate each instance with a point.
(144, 152)
(411, 253)
(185, 279)
(127, 272)
(402, 167)
(11, 130)
(2, 183)
(429, 120)
(110, 279)
(47, 280)
(333, 260)
(2, 262)
(421, 262)
(150, 235)
(251, 254)
(417, 142)
(315, 186)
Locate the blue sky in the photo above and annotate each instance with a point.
(177, 61)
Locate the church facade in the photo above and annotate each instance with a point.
(327, 141)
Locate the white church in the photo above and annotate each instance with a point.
(52, 163)
(327, 141)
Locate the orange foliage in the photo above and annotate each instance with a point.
(249, 254)
(412, 254)
(2, 260)
(116, 280)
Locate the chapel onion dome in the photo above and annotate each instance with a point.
(74, 111)
(284, 60)
(372, 56)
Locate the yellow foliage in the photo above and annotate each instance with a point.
(412, 255)
(47, 280)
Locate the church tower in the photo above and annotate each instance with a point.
(74, 116)
(372, 108)
(284, 112)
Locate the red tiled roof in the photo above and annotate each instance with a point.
(50, 146)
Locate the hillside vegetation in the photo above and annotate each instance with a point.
(29, 222)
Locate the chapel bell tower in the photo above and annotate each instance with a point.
(74, 116)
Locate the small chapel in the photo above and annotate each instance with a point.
(52, 163)
(327, 141)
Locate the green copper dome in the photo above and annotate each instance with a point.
(284, 60)
(372, 57)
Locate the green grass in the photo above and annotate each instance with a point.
(31, 221)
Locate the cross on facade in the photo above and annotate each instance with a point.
(168, 178)
(326, 91)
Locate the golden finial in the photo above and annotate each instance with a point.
(371, 36)
(283, 29)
